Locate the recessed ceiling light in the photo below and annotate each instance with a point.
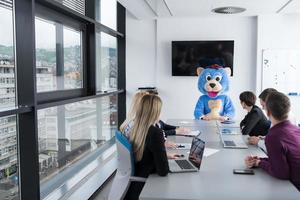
(228, 10)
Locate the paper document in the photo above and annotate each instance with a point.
(183, 145)
(184, 122)
(209, 151)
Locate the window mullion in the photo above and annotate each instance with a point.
(26, 95)
(59, 57)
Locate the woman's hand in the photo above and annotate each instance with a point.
(173, 155)
(182, 131)
(253, 140)
(171, 145)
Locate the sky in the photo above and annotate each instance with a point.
(6, 27)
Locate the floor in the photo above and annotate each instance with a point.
(102, 193)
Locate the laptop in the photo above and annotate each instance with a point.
(193, 163)
(233, 141)
(230, 131)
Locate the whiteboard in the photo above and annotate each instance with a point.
(281, 70)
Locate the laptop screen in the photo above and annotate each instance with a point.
(196, 152)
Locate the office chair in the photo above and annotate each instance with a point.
(125, 171)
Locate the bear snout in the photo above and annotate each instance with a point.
(212, 85)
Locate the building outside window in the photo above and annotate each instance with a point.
(72, 130)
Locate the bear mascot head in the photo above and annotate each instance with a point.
(214, 104)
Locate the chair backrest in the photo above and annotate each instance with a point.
(125, 168)
(125, 154)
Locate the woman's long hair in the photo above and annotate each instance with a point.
(147, 114)
(132, 110)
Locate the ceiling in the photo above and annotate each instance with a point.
(151, 9)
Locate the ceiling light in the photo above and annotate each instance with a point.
(228, 10)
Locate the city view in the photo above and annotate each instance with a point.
(66, 133)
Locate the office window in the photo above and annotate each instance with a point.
(106, 13)
(9, 179)
(58, 56)
(72, 58)
(7, 60)
(45, 55)
(68, 134)
(107, 62)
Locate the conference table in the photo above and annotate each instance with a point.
(215, 179)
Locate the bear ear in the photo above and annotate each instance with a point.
(199, 70)
(227, 70)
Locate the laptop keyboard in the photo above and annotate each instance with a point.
(184, 164)
(229, 143)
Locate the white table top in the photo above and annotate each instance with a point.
(216, 180)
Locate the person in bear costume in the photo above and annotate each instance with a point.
(214, 104)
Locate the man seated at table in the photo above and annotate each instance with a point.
(282, 142)
(259, 140)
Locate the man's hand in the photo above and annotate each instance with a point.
(252, 161)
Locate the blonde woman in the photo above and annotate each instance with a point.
(127, 125)
(148, 143)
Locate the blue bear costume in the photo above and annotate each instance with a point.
(213, 83)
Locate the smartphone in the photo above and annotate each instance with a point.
(243, 171)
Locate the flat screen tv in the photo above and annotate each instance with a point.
(188, 55)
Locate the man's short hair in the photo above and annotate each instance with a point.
(278, 105)
(264, 94)
(248, 98)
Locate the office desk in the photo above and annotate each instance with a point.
(191, 122)
(215, 180)
(236, 124)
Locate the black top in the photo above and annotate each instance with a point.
(154, 161)
(255, 123)
(168, 129)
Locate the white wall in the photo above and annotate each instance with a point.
(140, 54)
(278, 32)
(149, 58)
(180, 94)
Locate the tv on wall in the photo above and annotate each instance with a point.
(188, 55)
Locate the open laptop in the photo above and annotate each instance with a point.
(230, 131)
(194, 160)
(233, 141)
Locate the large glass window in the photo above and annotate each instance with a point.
(106, 13)
(7, 60)
(59, 63)
(9, 179)
(8, 158)
(74, 139)
(72, 59)
(107, 62)
(69, 133)
(45, 55)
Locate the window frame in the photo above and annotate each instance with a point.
(57, 95)
(29, 101)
